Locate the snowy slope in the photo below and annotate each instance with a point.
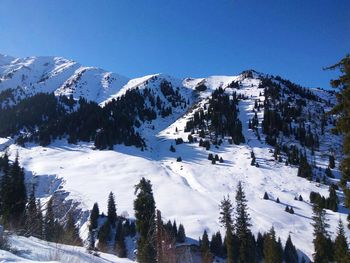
(56, 74)
(188, 191)
(31, 250)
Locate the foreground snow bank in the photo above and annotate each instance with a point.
(36, 250)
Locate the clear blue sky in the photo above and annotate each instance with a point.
(294, 39)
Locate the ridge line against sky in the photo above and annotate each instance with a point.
(294, 39)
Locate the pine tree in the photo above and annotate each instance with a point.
(266, 196)
(226, 221)
(207, 257)
(49, 222)
(111, 210)
(242, 224)
(71, 235)
(342, 109)
(165, 241)
(31, 217)
(144, 206)
(95, 213)
(181, 236)
(271, 248)
(322, 251)
(216, 245)
(39, 219)
(104, 236)
(341, 253)
(331, 162)
(290, 254)
(120, 241)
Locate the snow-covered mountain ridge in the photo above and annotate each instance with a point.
(188, 191)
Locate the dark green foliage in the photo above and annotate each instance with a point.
(260, 247)
(341, 253)
(226, 221)
(52, 230)
(178, 141)
(104, 236)
(300, 198)
(95, 213)
(277, 200)
(323, 251)
(266, 196)
(272, 249)
(144, 206)
(222, 114)
(71, 232)
(120, 240)
(342, 109)
(111, 210)
(48, 117)
(13, 194)
(331, 162)
(329, 203)
(206, 255)
(181, 235)
(305, 169)
(179, 159)
(33, 217)
(216, 245)
(290, 254)
(242, 227)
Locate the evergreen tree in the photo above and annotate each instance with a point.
(266, 196)
(13, 195)
(322, 250)
(290, 254)
(331, 162)
(104, 236)
(49, 222)
(39, 221)
(95, 213)
(144, 206)
(181, 236)
(31, 217)
(341, 253)
(242, 224)
(271, 248)
(216, 245)
(111, 210)
(120, 241)
(342, 109)
(207, 257)
(71, 235)
(227, 222)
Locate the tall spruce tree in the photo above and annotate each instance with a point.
(272, 253)
(49, 222)
(342, 109)
(144, 206)
(31, 217)
(206, 255)
(226, 221)
(111, 210)
(95, 213)
(120, 241)
(181, 235)
(341, 253)
(242, 224)
(322, 250)
(71, 232)
(290, 254)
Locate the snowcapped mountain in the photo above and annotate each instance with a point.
(189, 190)
(32, 75)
